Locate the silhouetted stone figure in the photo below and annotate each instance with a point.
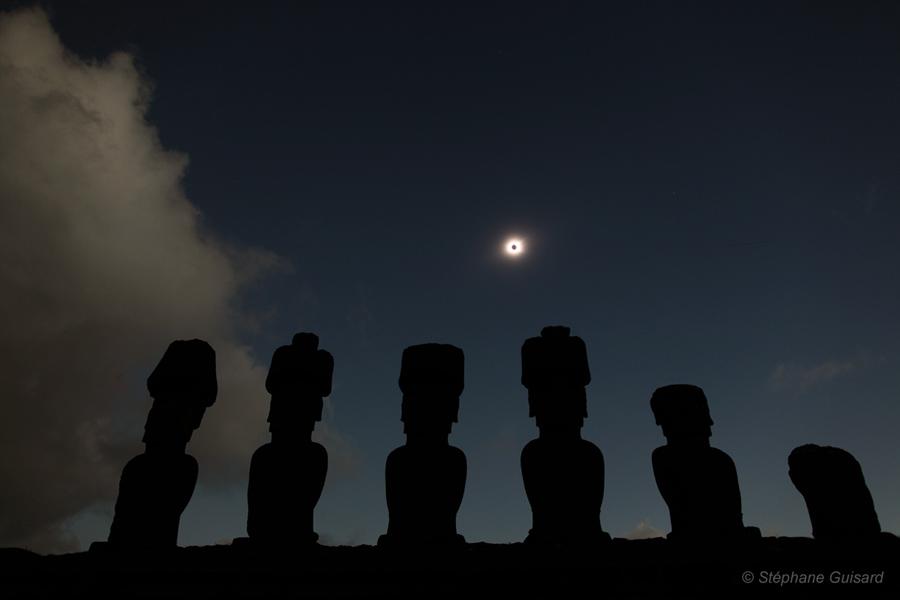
(698, 482)
(287, 475)
(426, 478)
(837, 497)
(563, 473)
(157, 485)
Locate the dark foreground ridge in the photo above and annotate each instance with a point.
(654, 568)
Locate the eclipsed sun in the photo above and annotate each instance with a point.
(514, 247)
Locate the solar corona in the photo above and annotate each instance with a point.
(514, 247)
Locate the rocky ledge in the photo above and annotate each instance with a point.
(655, 568)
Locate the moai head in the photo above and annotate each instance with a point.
(683, 413)
(555, 371)
(431, 379)
(183, 385)
(299, 377)
(837, 498)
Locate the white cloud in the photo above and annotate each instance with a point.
(643, 531)
(103, 261)
(790, 376)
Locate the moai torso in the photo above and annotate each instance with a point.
(153, 492)
(563, 473)
(285, 486)
(287, 475)
(424, 488)
(156, 486)
(564, 484)
(698, 482)
(837, 498)
(426, 478)
(700, 487)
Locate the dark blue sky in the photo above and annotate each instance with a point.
(710, 194)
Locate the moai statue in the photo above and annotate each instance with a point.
(698, 482)
(157, 485)
(287, 474)
(838, 501)
(425, 479)
(562, 472)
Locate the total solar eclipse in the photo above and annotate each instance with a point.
(514, 247)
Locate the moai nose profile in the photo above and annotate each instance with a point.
(287, 475)
(563, 474)
(425, 479)
(698, 482)
(157, 485)
(837, 498)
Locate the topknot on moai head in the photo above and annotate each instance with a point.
(432, 380)
(299, 377)
(832, 483)
(187, 369)
(681, 410)
(555, 370)
(183, 385)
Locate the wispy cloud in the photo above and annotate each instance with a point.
(802, 377)
(644, 531)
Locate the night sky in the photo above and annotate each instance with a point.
(707, 194)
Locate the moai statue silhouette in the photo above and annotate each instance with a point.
(698, 482)
(837, 498)
(562, 472)
(426, 478)
(287, 474)
(157, 485)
